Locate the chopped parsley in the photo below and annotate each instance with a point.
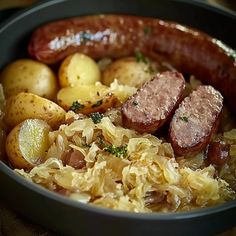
(184, 118)
(98, 103)
(85, 37)
(78, 77)
(140, 57)
(117, 151)
(96, 117)
(135, 103)
(147, 30)
(76, 106)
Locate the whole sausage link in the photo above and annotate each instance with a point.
(116, 36)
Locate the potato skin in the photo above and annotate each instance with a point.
(27, 105)
(13, 150)
(78, 69)
(93, 98)
(20, 142)
(128, 71)
(26, 75)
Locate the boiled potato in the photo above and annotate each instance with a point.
(27, 143)
(27, 105)
(128, 71)
(2, 98)
(86, 98)
(78, 69)
(27, 75)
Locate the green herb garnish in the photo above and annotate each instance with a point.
(78, 77)
(184, 118)
(140, 57)
(147, 30)
(96, 117)
(85, 37)
(117, 151)
(98, 103)
(76, 106)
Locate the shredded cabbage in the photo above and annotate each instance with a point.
(148, 179)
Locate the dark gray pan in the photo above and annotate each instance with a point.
(69, 217)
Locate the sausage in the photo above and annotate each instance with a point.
(218, 153)
(74, 159)
(153, 104)
(155, 198)
(196, 120)
(114, 36)
(62, 191)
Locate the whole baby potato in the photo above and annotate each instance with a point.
(128, 71)
(26, 75)
(30, 106)
(27, 143)
(78, 69)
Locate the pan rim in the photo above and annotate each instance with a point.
(45, 3)
(186, 215)
(89, 207)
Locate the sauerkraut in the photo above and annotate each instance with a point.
(125, 170)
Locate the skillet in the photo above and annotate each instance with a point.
(71, 218)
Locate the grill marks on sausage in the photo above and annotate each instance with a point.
(196, 120)
(154, 103)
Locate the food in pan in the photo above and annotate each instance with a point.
(140, 121)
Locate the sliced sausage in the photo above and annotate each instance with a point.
(154, 102)
(62, 191)
(74, 158)
(196, 120)
(218, 153)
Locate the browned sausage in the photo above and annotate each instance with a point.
(196, 120)
(62, 191)
(218, 153)
(153, 104)
(74, 158)
(115, 36)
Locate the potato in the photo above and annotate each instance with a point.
(86, 98)
(27, 105)
(27, 143)
(78, 69)
(128, 71)
(2, 98)
(27, 75)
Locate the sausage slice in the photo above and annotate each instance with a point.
(196, 120)
(152, 105)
